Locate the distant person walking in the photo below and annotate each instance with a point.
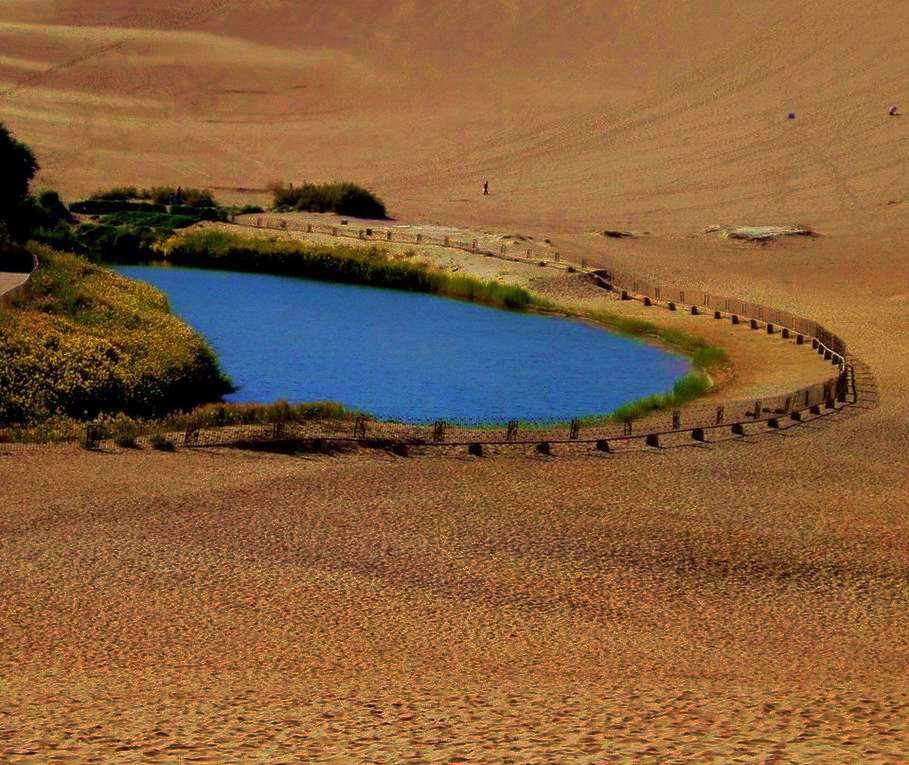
(485, 188)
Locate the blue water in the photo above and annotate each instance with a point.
(406, 355)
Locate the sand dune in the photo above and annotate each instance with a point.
(738, 603)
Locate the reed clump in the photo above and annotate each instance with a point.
(339, 197)
(686, 389)
(211, 248)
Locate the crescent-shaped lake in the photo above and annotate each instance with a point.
(406, 355)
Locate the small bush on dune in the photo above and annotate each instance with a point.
(160, 443)
(159, 195)
(341, 198)
(118, 193)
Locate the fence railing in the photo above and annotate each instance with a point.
(481, 244)
(721, 306)
(632, 285)
(700, 423)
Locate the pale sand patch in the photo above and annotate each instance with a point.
(25, 64)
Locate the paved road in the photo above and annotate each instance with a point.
(9, 281)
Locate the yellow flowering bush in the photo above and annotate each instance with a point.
(86, 341)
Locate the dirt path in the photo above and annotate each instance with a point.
(10, 281)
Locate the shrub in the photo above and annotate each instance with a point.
(342, 198)
(168, 195)
(199, 213)
(123, 244)
(88, 341)
(125, 438)
(118, 193)
(52, 207)
(61, 237)
(104, 206)
(159, 195)
(163, 224)
(161, 443)
(19, 166)
(14, 258)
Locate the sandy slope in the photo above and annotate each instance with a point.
(739, 603)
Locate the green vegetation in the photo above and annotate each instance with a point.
(107, 206)
(163, 224)
(159, 195)
(87, 341)
(686, 389)
(342, 198)
(704, 359)
(125, 430)
(161, 443)
(122, 237)
(125, 436)
(21, 213)
(219, 249)
(19, 167)
(14, 258)
(704, 356)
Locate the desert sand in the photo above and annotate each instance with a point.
(742, 602)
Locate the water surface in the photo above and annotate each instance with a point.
(406, 355)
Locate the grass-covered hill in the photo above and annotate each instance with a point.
(87, 340)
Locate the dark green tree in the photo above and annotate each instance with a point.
(17, 168)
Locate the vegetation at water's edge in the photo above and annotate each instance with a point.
(338, 197)
(87, 341)
(124, 430)
(158, 195)
(693, 385)
(704, 359)
(212, 248)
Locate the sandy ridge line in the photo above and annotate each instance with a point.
(188, 19)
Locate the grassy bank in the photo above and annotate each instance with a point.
(124, 429)
(705, 359)
(87, 341)
(211, 248)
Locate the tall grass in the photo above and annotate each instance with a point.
(338, 197)
(704, 359)
(686, 389)
(161, 195)
(211, 248)
(60, 428)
